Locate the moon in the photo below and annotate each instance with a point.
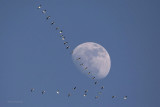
(92, 59)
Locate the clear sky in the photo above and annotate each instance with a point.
(32, 55)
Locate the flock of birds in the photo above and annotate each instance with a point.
(85, 93)
(67, 46)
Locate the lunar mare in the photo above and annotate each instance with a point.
(93, 56)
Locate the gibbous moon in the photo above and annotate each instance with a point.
(92, 59)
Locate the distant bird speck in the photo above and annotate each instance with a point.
(32, 89)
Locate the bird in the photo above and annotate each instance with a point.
(57, 92)
(113, 96)
(74, 88)
(96, 82)
(44, 11)
(85, 95)
(125, 98)
(86, 68)
(65, 43)
(63, 38)
(39, 6)
(93, 77)
(32, 89)
(79, 58)
(60, 31)
(67, 47)
(81, 64)
(43, 92)
(48, 17)
(52, 23)
(102, 87)
(85, 91)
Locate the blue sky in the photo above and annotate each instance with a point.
(33, 56)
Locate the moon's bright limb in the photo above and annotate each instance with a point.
(94, 58)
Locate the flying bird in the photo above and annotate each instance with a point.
(113, 96)
(43, 92)
(102, 87)
(81, 64)
(44, 11)
(67, 47)
(74, 88)
(52, 23)
(32, 89)
(39, 6)
(125, 98)
(86, 68)
(57, 92)
(85, 91)
(65, 43)
(48, 17)
(95, 82)
(63, 38)
(79, 58)
(93, 77)
(60, 31)
(85, 95)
